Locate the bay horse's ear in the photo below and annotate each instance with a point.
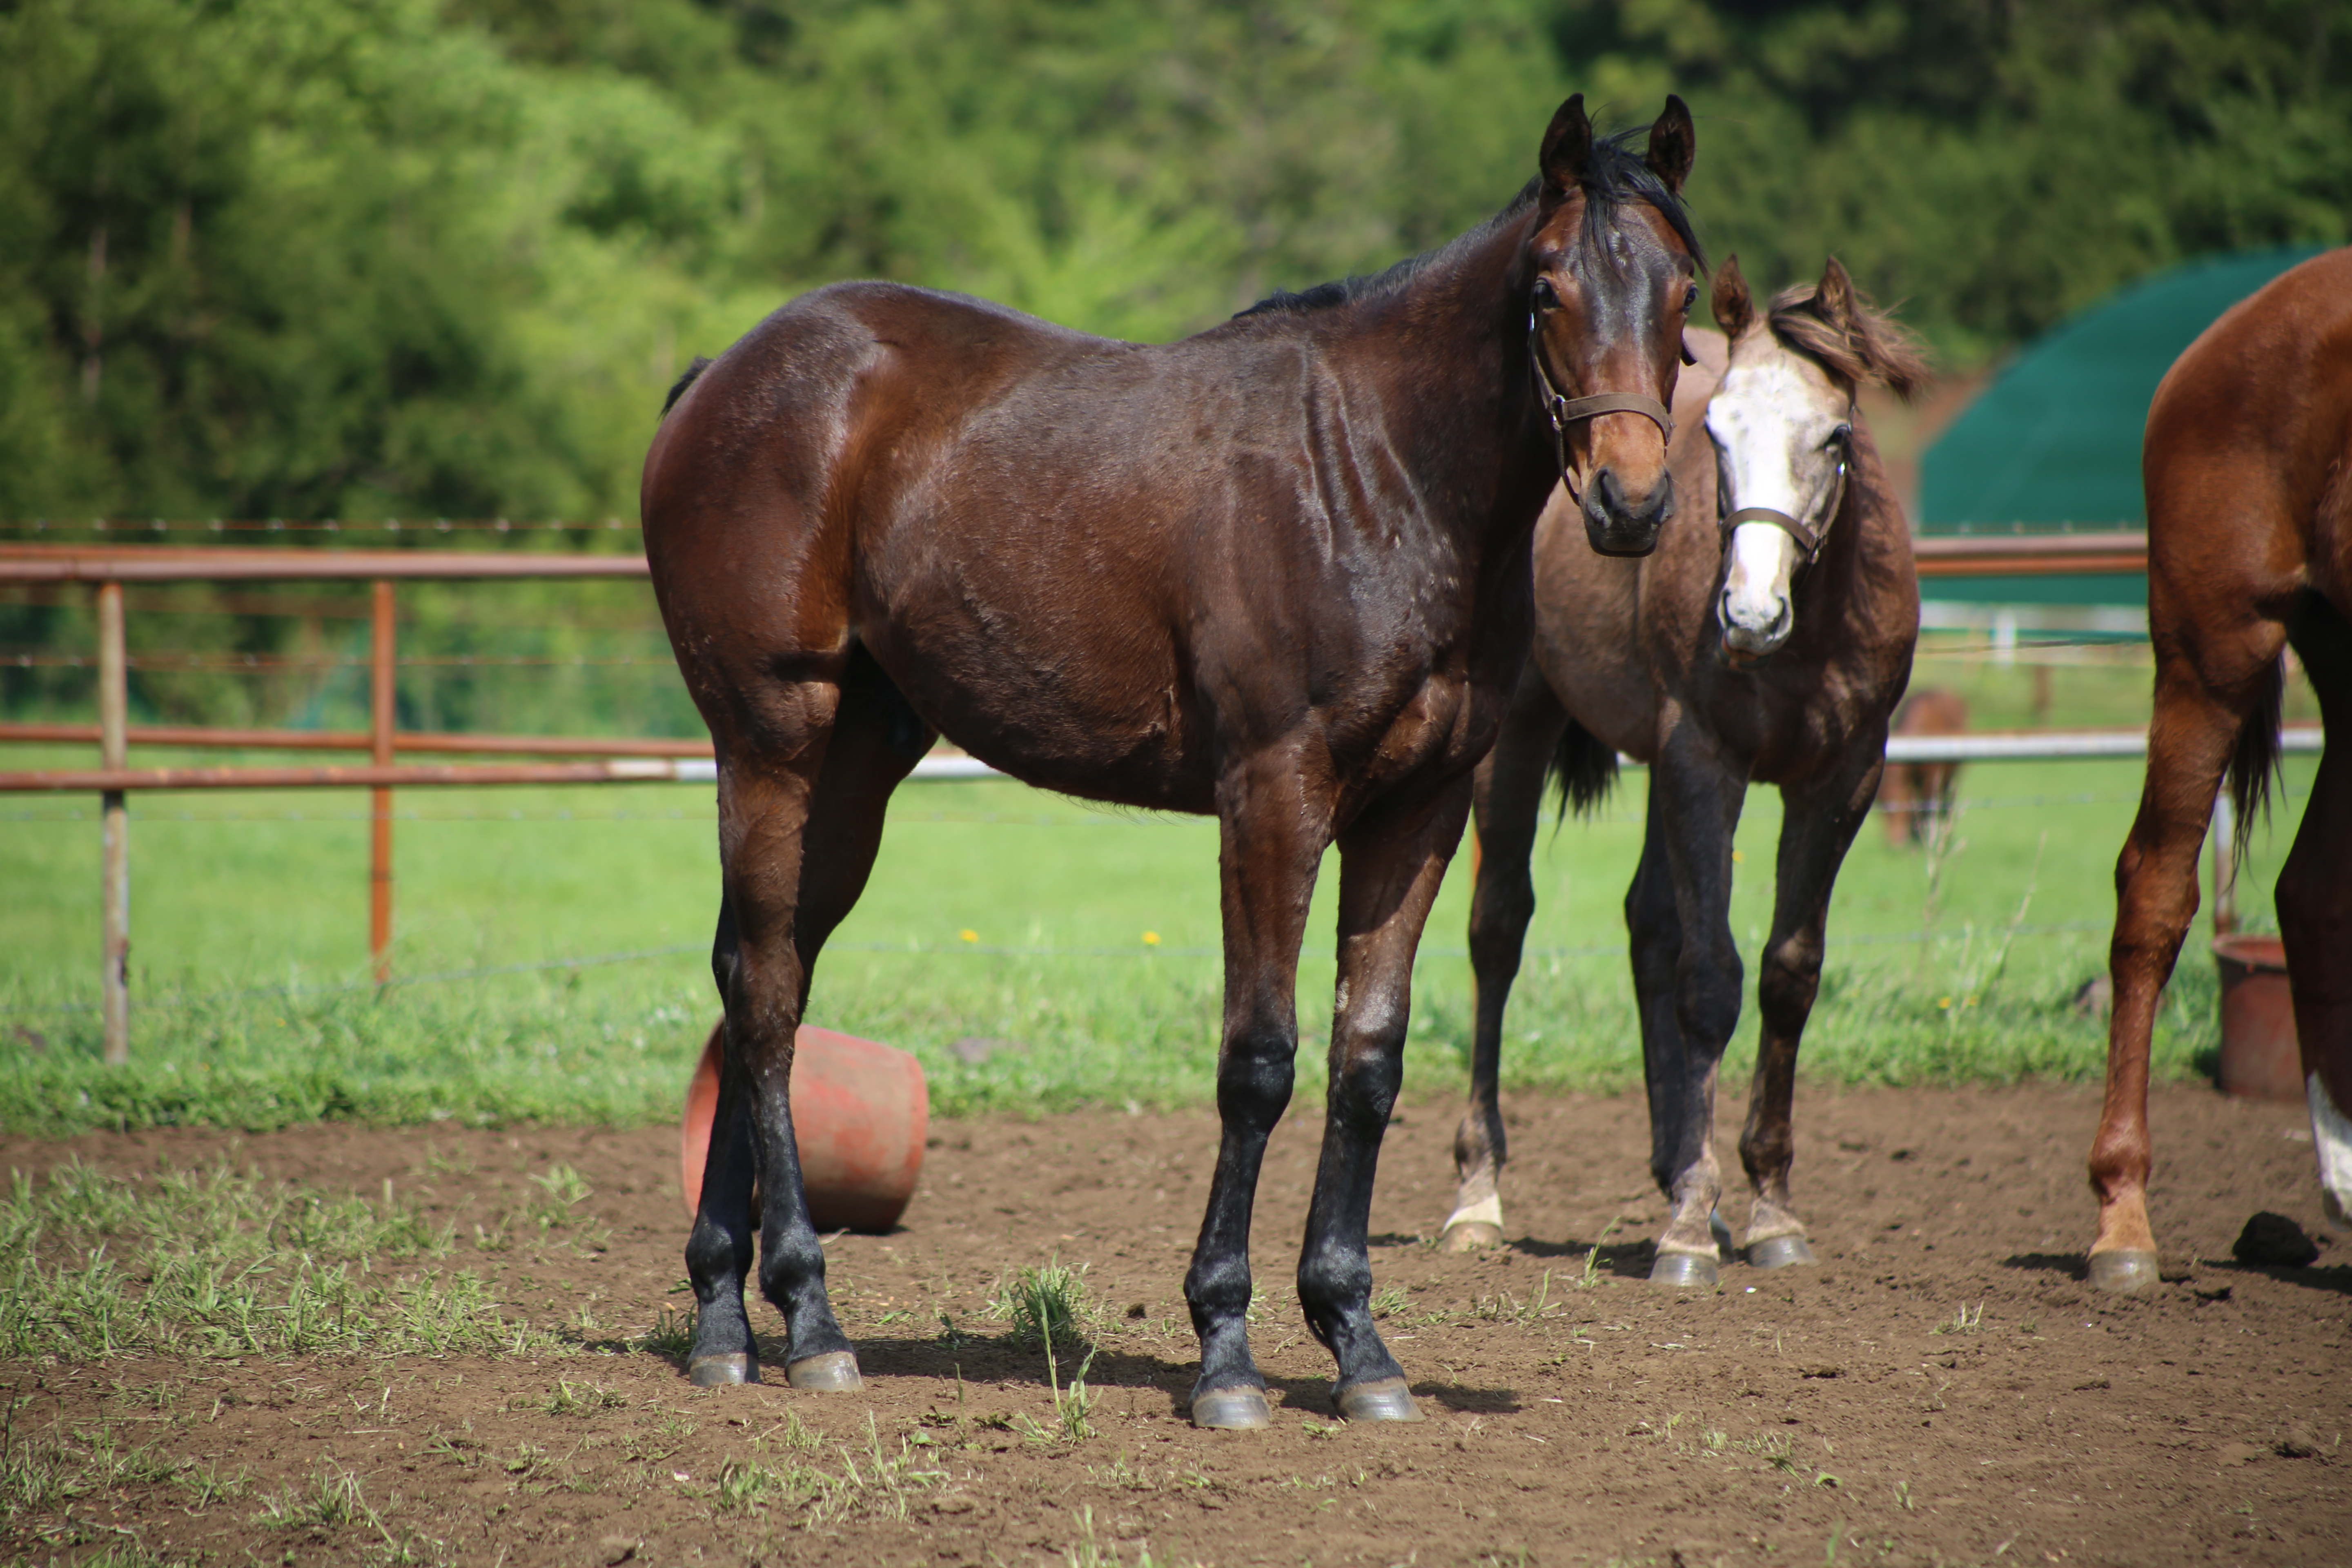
(1674, 144)
(1567, 147)
(1735, 312)
(1833, 300)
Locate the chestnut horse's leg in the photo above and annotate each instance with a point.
(1509, 799)
(1390, 865)
(1688, 978)
(1273, 832)
(1818, 823)
(2314, 905)
(2208, 683)
(797, 841)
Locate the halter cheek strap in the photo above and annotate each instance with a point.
(1564, 412)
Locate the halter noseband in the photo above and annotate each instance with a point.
(1564, 412)
(1809, 539)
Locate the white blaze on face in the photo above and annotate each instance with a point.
(2331, 1139)
(1772, 422)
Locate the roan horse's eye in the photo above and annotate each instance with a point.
(1544, 298)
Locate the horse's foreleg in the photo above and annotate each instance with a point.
(1390, 869)
(2190, 737)
(1695, 800)
(2314, 905)
(1271, 841)
(1509, 800)
(1818, 825)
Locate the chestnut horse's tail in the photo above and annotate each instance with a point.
(2256, 763)
(1583, 768)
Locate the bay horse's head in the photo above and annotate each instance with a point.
(1782, 425)
(1612, 263)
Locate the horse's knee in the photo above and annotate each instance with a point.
(1370, 1072)
(1253, 1078)
(1786, 990)
(1706, 1006)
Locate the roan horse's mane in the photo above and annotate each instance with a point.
(1615, 173)
(1869, 346)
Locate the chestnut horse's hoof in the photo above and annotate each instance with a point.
(2126, 1271)
(1386, 1400)
(723, 1371)
(1470, 1236)
(1779, 1252)
(1232, 1409)
(1683, 1268)
(835, 1372)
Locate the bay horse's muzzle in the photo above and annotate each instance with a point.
(1618, 524)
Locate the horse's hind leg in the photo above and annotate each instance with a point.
(1273, 835)
(2209, 685)
(1817, 828)
(799, 827)
(1391, 865)
(1509, 800)
(2314, 905)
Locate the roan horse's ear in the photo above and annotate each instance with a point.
(1735, 312)
(1833, 300)
(1674, 143)
(1567, 146)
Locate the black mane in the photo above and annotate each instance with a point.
(1614, 174)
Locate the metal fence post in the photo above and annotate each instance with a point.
(113, 750)
(381, 714)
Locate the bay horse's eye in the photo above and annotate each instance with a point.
(1690, 296)
(1544, 298)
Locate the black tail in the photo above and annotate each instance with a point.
(1583, 769)
(2256, 763)
(677, 388)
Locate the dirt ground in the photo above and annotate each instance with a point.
(1942, 1389)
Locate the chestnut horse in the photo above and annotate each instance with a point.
(2248, 465)
(1768, 639)
(1277, 572)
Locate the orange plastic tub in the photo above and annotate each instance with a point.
(861, 1111)
(2259, 1057)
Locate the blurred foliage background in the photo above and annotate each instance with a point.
(363, 258)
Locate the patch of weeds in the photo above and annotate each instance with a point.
(870, 1484)
(1041, 1301)
(568, 1398)
(206, 1486)
(1591, 1275)
(1963, 1322)
(1091, 1552)
(671, 1335)
(218, 1262)
(329, 1499)
(562, 1189)
(1389, 1301)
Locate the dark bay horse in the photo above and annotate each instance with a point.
(1277, 572)
(1768, 639)
(2247, 466)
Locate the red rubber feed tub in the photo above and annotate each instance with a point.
(2260, 1057)
(861, 1111)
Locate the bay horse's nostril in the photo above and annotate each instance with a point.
(1619, 524)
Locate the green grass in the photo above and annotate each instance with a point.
(1087, 938)
(219, 1262)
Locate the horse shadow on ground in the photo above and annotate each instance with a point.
(2335, 1278)
(994, 1358)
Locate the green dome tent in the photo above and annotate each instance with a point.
(2055, 441)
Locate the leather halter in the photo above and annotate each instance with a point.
(1564, 412)
(1809, 538)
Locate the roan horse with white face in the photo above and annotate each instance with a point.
(1768, 639)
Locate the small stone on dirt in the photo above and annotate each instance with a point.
(2300, 1443)
(2273, 1241)
(618, 1548)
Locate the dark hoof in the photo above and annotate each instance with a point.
(2124, 1272)
(835, 1372)
(1683, 1268)
(1470, 1236)
(1386, 1400)
(723, 1371)
(1724, 1250)
(1779, 1252)
(1232, 1409)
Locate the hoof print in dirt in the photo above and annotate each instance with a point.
(2273, 1241)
